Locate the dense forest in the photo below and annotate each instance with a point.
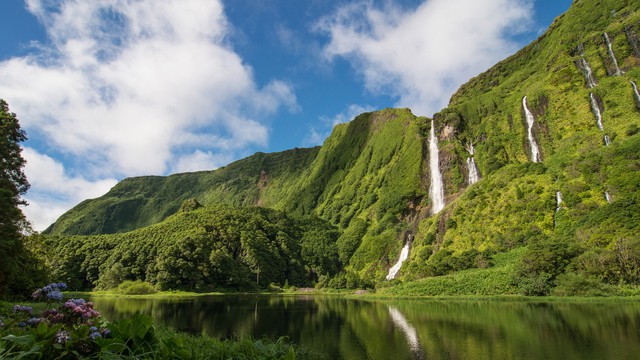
(539, 158)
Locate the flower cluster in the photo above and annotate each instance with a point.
(75, 324)
(62, 337)
(22, 309)
(51, 292)
(80, 309)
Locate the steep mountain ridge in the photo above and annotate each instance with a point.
(370, 178)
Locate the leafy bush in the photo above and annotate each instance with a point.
(572, 284)
(544, 260)
(137, 287)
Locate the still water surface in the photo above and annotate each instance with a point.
(405, 329)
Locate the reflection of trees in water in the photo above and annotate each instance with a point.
(359, 329)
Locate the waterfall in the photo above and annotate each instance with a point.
(558, 200)
(436, 189)
(404, 254)
(473, 171)
(607, 197)
(596, 111)
(584, 67)
(636, 93)
(409, 331)
(535, 153)
(612, 55)
(474, 175)
(607, 141)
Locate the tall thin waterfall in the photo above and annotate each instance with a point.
(607, 141)
(596, 111)
(558, 207)
(409, 331)
(436, 189)
(558, 200)
(535, 152)
(607, 197)
(636, 93)
(584, 67)
(404, 254)
(612, 55)
(474, 174)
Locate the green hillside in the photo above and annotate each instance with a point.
(141, 201)
(504, 234)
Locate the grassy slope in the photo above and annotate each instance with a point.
(137, 202)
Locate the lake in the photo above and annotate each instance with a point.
(405, 329)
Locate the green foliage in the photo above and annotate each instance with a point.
(19, 269)
(209, 248)
(136, 288)
(571, 284)
(260, 179)
(541, 264)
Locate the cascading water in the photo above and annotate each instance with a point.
(409, 331)
(612, 55)
(436, 189)
(535, 152)
(404, 254)
(636, 93)
(596, 111)
(558, 202)
(607, 197)
(607, 141)
(584, 67)
(474, 174)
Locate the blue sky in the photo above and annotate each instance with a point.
(108, 89)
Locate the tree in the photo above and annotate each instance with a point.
(13, 184)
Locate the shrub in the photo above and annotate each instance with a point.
(572, 284)
(137, 287)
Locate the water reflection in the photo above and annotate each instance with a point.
(408, 330)
(416, 329)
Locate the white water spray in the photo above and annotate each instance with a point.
(596, 111)
(558, 200)
(607, 141)
(558, 207)
(404, 254)
(607, 197)
(535, 152)
(409, 331)
(612, 55)
(474, 174)
(436, 189)
(636, 93)
(589, 78)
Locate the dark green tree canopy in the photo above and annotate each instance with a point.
(14, 263)
(12, 177)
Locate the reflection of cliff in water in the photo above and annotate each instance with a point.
(361, 329)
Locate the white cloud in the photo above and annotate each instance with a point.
(128, 87)
(200, 160)
(423, 55)
(318, 134)
(53, 191)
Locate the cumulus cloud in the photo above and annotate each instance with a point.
(53, 190)
(133, 87)
(423, 55)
